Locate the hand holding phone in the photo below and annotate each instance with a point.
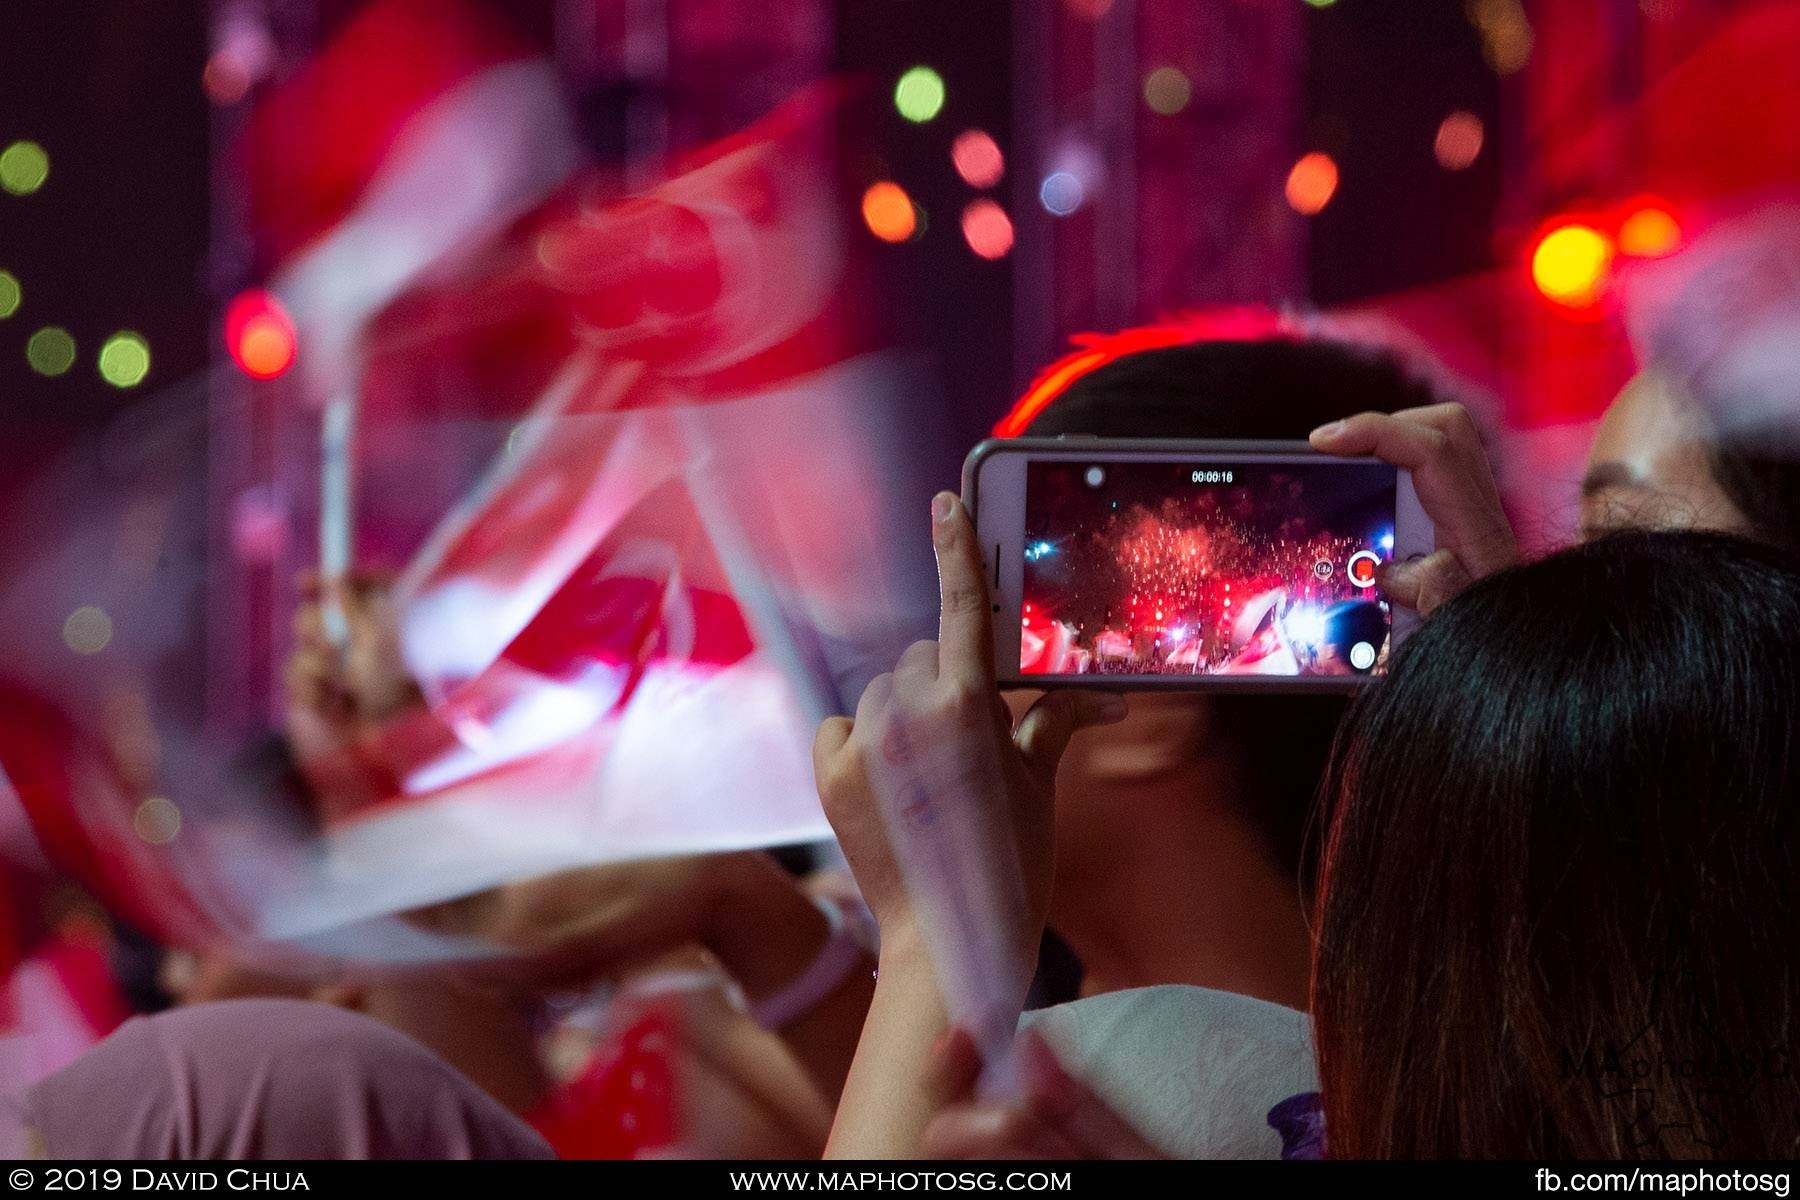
(1210, 565)
(1441, 451)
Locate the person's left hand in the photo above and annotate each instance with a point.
(1055, 1115)
(932, 754)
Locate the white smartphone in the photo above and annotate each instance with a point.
(1198, 565)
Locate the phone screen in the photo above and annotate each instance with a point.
(1137, 567)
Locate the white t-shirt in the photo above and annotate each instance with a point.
(1193, 1069)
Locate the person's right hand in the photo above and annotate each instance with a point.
(1053, 1115)
(354, 687)
(341, 698)
(1441, 447)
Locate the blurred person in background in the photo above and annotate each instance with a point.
(266, 1079)
(740, 989)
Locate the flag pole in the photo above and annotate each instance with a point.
(337, 537)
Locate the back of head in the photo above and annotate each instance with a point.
(1282, 385)
(1236, 374)
(267, 1079)
(1557, 914)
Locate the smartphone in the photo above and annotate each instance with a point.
(1197, 565)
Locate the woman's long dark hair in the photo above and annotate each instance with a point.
(1558, 915)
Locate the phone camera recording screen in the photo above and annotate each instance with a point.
(1205, 568)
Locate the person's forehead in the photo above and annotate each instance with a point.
(1647, 437)
(1610, 474)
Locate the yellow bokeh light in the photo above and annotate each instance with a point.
(51, 351)
(9, 294)
(23, 168)
(125, 359)
(1167, 91)
(1570, 264)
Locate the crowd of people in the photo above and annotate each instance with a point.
(1528, 895)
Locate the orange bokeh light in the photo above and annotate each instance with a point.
(888, 212)
(1311, 183)
(1650, 232)
(1571, 264)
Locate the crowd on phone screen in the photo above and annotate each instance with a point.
(1531, 895)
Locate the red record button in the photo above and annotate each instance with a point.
(1361, 568)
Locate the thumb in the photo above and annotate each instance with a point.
(1045, 729)
(1422, 584)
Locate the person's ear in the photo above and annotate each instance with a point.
(349, 994)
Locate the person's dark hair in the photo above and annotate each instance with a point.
(1557, 915)
(1275, 387)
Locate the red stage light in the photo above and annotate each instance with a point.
(260, 334)
(1571, 264)
(1650, 232)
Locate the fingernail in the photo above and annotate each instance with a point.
(1326, 432)
(942, 505)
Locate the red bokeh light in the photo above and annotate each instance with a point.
(260, 334)
(978, 159)
(987, 229)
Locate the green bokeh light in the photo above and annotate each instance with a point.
(125, 359)
(51, 351)
(23, 168)
(9, 295)
(920, 94)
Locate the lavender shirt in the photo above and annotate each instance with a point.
(268, 1079)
